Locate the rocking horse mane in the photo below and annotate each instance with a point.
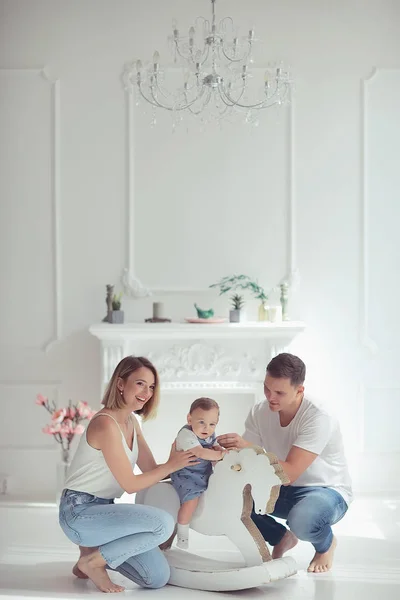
(273, 460)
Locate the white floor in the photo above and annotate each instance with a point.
(367, 567)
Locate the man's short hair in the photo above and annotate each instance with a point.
(287, 366)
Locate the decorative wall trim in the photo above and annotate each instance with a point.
(132, 285)
(55, 197)
(366, 339)
(292, 273)
(364, 274)
(50, 553)
(30, 448)
(55, 86)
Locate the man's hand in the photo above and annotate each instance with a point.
(231, 441)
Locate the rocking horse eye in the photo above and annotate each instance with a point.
(236, 467)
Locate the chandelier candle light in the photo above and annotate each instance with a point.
(216, 75)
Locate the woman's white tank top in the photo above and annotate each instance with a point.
(89, 471)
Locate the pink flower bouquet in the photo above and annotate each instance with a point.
(65, 422)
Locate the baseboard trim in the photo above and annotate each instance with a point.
(26, 553)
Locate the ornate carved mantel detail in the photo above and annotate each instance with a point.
(200, 359)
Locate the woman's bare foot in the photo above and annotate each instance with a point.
(84, 551)
(93, 566)
(321, 563)
(78, 573)
(288, 542)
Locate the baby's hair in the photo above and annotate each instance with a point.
(204, 404)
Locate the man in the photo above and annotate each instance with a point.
(308, 444)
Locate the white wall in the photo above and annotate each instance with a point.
(63, 207)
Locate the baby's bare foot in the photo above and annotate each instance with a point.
(322, 562)
(94, 568)
(288, 541)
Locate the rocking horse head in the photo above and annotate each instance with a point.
(239, 479)
(250, 470)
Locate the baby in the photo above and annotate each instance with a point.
(190, 482)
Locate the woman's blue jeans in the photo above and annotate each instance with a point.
(127, 535)
(309, 513)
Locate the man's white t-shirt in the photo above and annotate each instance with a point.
(311, 429)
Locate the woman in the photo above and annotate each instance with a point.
(123, 537)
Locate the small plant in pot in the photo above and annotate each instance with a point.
(237, 305)
(116, 315)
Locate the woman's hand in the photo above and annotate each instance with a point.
(178, 459)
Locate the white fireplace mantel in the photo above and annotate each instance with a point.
(183, 331)
(222, 356)
(223, 361)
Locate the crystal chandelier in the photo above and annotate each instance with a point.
(216, 75)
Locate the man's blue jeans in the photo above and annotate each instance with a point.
(127, 535)
(309, 513)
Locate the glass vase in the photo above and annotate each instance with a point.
(263, 312)
(62, 472)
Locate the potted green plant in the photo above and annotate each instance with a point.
(237, 305)
(116, 315)
(244, 282)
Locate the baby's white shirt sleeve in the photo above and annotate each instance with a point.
(186, 439)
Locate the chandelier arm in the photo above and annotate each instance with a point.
(236, 60)
(178, 49)
(229, 101)
(198, 112)
(171, 108)
(226, 99)
(206, 22)
(189, 58)
(222, 21)
(205, 55)
(150, 100)
(154, 102)
(189, 103)
(166, 94)
(169, 96)
(269, 101)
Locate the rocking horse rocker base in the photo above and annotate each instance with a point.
(242, 479)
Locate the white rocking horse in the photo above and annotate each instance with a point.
(224, 509)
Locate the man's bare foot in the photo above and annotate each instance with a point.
(288, 542)
(84, 551)
(321, 563)
(94, 567)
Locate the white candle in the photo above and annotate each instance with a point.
(275, 314)
(158, 310)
